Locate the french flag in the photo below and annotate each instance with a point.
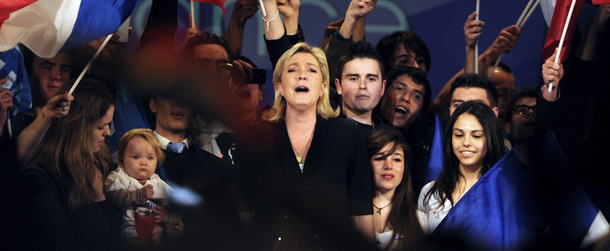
(49, 26)
(499, 212)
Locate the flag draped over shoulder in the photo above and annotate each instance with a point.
(435, 165)
(572, 214)
(12, 68)
(48, 26)
(498, 212)
(219, 3)
(560, 14)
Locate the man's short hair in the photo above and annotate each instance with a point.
(204, 38)
(360, 50)
(471, 80)
(387, 46)
(526, 92)
(417, 75)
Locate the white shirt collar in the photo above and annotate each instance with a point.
(164, 141)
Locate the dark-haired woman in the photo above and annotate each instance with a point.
(394, 216)
(473, 144)
(64, 179)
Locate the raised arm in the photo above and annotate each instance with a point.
(57, 107)
(551, 72)
(473, 29)
(242, 11)
(504, 43)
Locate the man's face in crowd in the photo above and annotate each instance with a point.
(522, 125)
(505, 85)
(361, 85)
(52, 73)
(463, 94)
(172, 116)
(409, 101)
(407, 57)
(213, 59)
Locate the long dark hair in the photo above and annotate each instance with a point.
(64, 149)
(402, 216)
(450, 174)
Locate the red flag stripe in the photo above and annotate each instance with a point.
(560, 15)
(7, 7)
(219, 3)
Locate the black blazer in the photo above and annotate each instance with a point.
(309, 210)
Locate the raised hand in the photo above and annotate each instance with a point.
(58, 106)
(473, 29)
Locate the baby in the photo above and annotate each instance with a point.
(135, 183)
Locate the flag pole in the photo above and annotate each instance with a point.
(563, 36)
(529, 13)
(476, 47)
(8, 124)
(262, 8)
(524, 12)
(97, 53)
(192, 14)
(520, 22)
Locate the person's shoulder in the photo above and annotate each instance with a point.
(427, 187)
(340, 123)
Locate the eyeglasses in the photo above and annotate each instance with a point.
(523, 109)
(219, 64)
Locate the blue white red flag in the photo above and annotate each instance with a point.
(48, 26)
(12, 68)
(571, 213)
(498, 212)
(435, 164)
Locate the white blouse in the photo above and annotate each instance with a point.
(431, 217)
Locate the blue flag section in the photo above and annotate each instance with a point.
(13, 69)
(570, 211)
(436, 153)
(129, 114)
(48, 26)
(97, 19)
(499, 212)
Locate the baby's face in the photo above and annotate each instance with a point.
(140, 159)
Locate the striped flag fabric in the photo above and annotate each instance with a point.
(219, 3)
(560, 15)
(49, 26)
(499, 211)
(12, 68)
(598, 2)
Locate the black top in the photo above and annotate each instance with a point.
(213, 223)
(21, 122)
(51, 226)
(310, 210)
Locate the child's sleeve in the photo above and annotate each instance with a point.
(117, 193)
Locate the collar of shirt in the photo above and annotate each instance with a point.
(164, 141)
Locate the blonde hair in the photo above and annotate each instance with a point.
(147, 135)
(324, 108)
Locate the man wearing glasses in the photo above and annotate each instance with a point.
(520, 124)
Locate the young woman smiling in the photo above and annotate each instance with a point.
(473, 144)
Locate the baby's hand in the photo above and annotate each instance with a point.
(148, 191)
(159, 213)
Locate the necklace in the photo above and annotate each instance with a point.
(380, 208)
(302, 151)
